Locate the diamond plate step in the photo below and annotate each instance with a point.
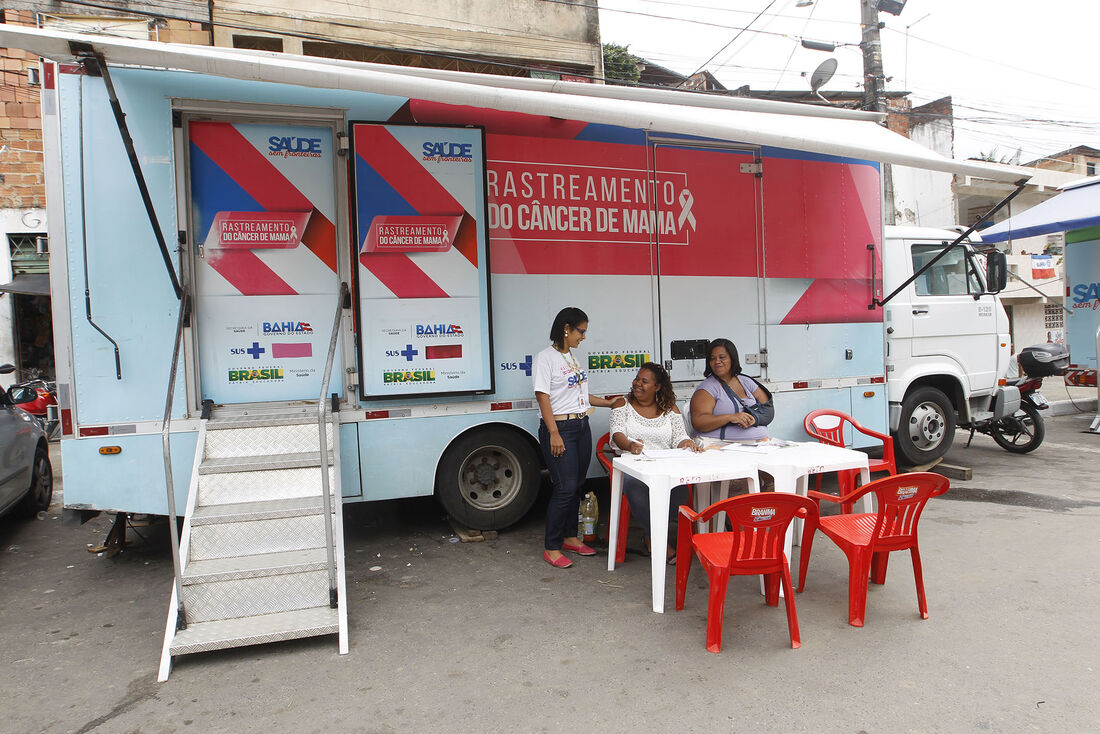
(246, 597)
(249, 511)
(255, 537)
(269, 439)
(266, 564)
(259, 420)
(263, 463)
(203, 636)
(253, 486)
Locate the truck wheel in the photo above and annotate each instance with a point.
(488, 479)
(40, 493)
(1022, 432)
(927, 427)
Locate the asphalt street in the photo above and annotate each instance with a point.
(449, 636)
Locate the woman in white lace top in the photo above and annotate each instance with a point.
(650, 419)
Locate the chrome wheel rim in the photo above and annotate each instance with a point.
(927, 426)
(490, 478)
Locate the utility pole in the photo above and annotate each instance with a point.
(874, 88)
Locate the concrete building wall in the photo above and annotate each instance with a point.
(1027, 325)
(525, 31)
(921, 197)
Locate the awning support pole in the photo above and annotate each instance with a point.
(982, 220)
(1046, 298)
(95, 65)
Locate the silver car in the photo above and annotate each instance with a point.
(26, 477)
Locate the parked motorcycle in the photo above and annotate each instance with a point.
(1023, 430)
(43, 404)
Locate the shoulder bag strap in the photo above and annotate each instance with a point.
(734, 399)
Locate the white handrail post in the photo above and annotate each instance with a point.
(326, 501)
(177, 565)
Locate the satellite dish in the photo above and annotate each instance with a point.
(821, 76)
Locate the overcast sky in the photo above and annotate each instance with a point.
(1022, 74)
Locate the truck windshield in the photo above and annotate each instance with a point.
(953, 275)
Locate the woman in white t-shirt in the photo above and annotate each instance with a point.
(561, 389)
(650, 419)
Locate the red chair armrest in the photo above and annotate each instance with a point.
(689, 513)
(850, 497)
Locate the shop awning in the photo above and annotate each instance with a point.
(1077, 207)
(31, 285)
(807, 128)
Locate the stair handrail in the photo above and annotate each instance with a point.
(177, 564)
(326, 501)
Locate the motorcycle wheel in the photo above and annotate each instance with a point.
(1021, 433)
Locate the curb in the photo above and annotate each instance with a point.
(1072, 407)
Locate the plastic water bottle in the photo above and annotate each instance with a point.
(589, 515)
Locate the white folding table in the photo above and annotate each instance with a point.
(791, 466)
(661, 476)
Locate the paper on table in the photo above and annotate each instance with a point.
(667, 453)
(766, 446)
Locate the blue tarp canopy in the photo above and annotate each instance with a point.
(1077, 207)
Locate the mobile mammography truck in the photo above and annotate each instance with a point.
(381, 251)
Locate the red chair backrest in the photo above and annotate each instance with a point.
(602, 451)
(833, 436)
(901, 500)
(760, 522)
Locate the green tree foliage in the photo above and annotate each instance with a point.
(619, 65)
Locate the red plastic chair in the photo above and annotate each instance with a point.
(867, 539)
(819, 425)
(604, 454)
(755, 546)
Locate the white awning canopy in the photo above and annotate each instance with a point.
(1077, 207)
(756, 122)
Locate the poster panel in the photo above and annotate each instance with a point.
(263, 204)
(422, 264)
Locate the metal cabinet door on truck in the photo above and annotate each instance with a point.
(708, 254)
(824, 346)
(944, 333)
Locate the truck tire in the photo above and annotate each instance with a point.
(1022, 432)
(488, 478)
(927, 427)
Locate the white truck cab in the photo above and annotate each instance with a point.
(948, 345)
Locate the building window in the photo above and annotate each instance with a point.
(30, 253)
(258, 43)
(1090, 168)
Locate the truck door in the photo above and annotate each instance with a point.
(262, 213)
(948, 320)
(707, 230)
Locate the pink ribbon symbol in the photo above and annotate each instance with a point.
(686, 202)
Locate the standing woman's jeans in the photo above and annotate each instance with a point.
(567, 474)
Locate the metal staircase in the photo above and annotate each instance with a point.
(261, 557)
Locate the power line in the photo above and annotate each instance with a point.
(794, 49)
(998, 62)
(730, 43)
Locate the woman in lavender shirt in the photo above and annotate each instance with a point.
(718, 405)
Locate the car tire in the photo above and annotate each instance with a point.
(927, 426)
(488, 478)
(40, 493)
